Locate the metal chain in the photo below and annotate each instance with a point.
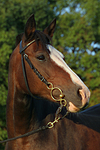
(57, 117)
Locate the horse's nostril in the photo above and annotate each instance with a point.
(79, 94)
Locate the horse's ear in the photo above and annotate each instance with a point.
(18, 38)
(51, 28)
(30, 26)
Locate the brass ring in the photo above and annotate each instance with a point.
(63, 102)
(50, 85)
(50, 125)
(55, 88)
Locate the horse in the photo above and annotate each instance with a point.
(43, 90)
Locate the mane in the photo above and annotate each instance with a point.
(89, 117)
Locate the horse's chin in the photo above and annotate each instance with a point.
(72, 107)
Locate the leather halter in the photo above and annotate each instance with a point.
(48, 84)
(22, 49)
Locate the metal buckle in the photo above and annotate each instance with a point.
(25, 56)
(51, 124)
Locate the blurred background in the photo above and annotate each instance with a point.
(77, 36)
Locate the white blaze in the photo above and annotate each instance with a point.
(57, 57)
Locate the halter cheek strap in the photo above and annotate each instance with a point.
(24, 55)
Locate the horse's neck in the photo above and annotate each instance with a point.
(25, 113)
(18, 113)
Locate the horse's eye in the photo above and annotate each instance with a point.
(41, 57)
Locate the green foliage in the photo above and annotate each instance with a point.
(78, 25)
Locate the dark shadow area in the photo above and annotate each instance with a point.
(89, 117)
